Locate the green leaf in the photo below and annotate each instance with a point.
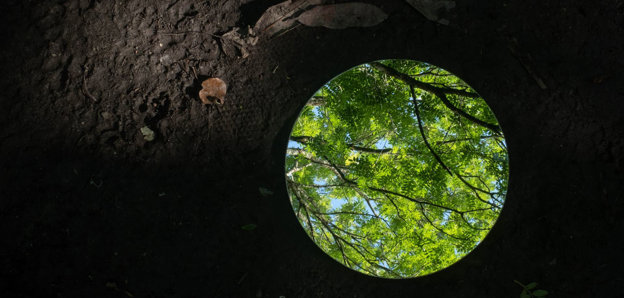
(540, 293)
(524, 294)
(365, 173)
(531, 285)
(249, 227)
(265, 192)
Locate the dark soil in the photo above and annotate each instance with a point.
(89, 208)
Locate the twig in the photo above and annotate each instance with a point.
(285, 16)
(286, 31)
(242, 278)
(188, 32)
(422, 133)
(85, 89)
(194, 72)
(525, 65)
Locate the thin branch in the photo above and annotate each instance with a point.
(321, 185)
(466, 139)
(418, 84)
(395, 206)
(305, 208)
(439, 92)
(471, 226)
(422, 133)
(424, 213)
(476, 190)
(85, 88)
(306, 139)
(300, 139)
(369, 150)
(420, 202)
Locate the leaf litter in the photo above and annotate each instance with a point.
(288, 14)
(281, 17)
(213, 91)
(345, 15)
(235, 44)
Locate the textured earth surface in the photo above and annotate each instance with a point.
(90, 208)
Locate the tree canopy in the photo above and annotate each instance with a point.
(396, 168)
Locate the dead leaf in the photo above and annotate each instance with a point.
(431, 9)
(265, 192)
(147, 133)
(279, 17)
(213, 91)
(235, 40)
(340, 16)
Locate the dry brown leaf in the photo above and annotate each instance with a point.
(278, 17)
(340, 16)
(431, 8)
(236, 44)
(213, 91)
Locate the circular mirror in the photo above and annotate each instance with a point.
(396, 168)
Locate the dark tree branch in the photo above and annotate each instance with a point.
(418, 84)
(321, 185)
(422, 133)
(437, 157)
(476, 190)
(395, 206)
(367, 199)
(466, 139)
(424, 213)
(471, 226)
(305, 208)
(300, 139)
(437, 91)
(372, 263)
(306, 140)
(339, 172)
(362, 214)
(307, 155)
(338, 239)
(369, 150)
(385, 191)
(429, 87)
(493, 127)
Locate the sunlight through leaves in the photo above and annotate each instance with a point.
(397, 168)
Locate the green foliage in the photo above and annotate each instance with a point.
(249, 227)
(393, 182)
(265, 192)
(528, 291)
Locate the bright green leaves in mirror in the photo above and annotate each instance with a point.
(396, 168)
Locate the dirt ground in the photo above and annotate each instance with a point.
(89, 208)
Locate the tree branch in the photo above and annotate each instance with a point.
(466, 139)
(305, 208)
(306, 140)
(422, 133)
(439, 92)
(418, 84)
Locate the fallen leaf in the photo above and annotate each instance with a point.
(147, 133)
(265, 192)
(340, 16)
(213, 91)
(235, 40)
(249, 227)
(279, 17)
(431, 9)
